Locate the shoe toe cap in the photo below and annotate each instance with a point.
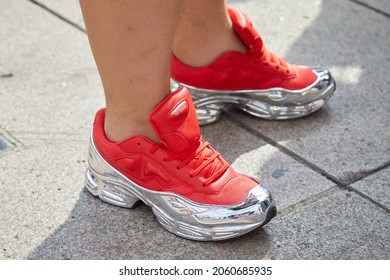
(325, 79)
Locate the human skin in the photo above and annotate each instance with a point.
(132, 42)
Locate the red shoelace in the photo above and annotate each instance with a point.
(203, 159)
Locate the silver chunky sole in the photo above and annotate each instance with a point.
(273, 104)
(175, 213)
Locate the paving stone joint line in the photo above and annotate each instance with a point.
(364, 174)
(303, 203)
(340, 184)
(286, 151)
(363, 195)
(357, 2)
(365, 5)
(61, 17)
(10, 138)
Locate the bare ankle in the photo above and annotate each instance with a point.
(122, 129)
(197, 56)
(205, 34)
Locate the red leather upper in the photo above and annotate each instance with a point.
(256, 69)
(182, 163)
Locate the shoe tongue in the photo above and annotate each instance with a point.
(175, 122)
(242, 25)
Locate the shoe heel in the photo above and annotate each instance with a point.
(103, 181)
(208, 110)
(208, 114)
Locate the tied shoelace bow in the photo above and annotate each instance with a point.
(203, 160)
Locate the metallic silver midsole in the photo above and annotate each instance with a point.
(273, 103)
(176, 213)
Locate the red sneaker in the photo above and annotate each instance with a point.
(257, 82)
(191, 189)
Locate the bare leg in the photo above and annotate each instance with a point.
(131, 42)
(204, 33)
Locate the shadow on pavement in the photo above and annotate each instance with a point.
(95, 230)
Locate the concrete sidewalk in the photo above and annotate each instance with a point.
(329, 172)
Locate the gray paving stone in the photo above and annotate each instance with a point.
(47, 214)
(280, 23)
(381, 5)
(69, 9)
(48, 96)
(49, 91)
(39, 186)
(350, 136)
(376, 186)
(289, 180)
(340, 226)
(295, 15)
(54, 85)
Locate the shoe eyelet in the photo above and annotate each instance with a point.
(266, 64)
(139, 144)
